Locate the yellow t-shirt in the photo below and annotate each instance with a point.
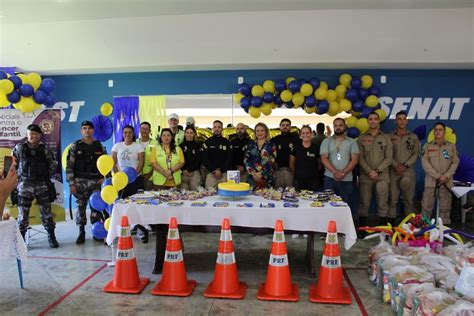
(168, 183)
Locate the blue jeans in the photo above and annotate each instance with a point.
(342, 188)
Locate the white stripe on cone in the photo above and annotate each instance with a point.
(125, 231)
(125, 254)
(331, 262)
(331, 238)
(225, 258)
(226, 235)
(173, 234)
(279, 237)
(278, 260)
(173, 256)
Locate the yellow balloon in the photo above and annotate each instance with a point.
(237, 97)
(345, 80)
(306, 89)
(331, 95)
(298, 99)
(323, 85)
(341, 91)
(105, 163)
(22, 77)
(362, 125)
(254, 112)
(119, 180)
(351, 121)
(321, 93)
(367, 81)
(371, 101)
(257, 91)
(289, 79)
(106, 109)
(6, 86)
(310, 110)
(107, 223)
(345, 105)
(286, 95)
(108, 194)
(64, 156)
(3, 100)
(382, 114)
(333, 108)
(266, 109)
(269, 86)
(33, 79)
(274, 106)
(27, 104)
(450, 136)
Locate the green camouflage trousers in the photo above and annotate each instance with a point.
(27, 192)
(84, 189)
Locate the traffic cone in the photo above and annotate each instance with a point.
(126, 278)
(278, 286)
(173, 280)
(226, 282)
(329, 288)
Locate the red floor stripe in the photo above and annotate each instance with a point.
(62, 298)
(66, 258)
(354, 293)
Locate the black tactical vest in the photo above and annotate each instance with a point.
(33, 163)
(85, 165)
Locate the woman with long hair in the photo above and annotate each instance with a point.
(167, 160)
(260, 159)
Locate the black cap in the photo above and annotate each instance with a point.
(34, 128)
(87, 123)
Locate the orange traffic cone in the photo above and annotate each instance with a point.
(173, 280)
(126, 278)
(278, 286)
(226, 282)
(330, 288)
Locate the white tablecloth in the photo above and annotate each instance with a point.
(461, 191)
(303, 218)
(11, 242)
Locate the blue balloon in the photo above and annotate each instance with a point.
(356, 83)
(314, 82)
(244, 89)
(366, 111)
(107, 181)
(294, 86)
(277, 100)
(357, 105)
(256, 101)
(280, 85)
(353, 132)
(39, 96)
(301, 81)
(26, 90)
(310, 101)
(47, 85)
(96, 201)
(378, 106)
(246, 109)
(3, 75)
(245, 102)
(17, 82)
(374, 91)
(109, 209)
(14, 97)
(289, 105)
(131, 174)
(49, 99)
(363, 94)
(352, 95)
(268, 97)
(98, 230)
(323, 107)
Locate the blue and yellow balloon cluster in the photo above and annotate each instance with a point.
(27, 92)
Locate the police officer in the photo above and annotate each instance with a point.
(83, 176)
(239, 146)
(440, 161)
(376, 156)
(35, 169)
(216, 156)
(406, 149)
(285, 142)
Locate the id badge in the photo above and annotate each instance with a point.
(338, 156)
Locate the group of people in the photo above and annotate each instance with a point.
(382, 163)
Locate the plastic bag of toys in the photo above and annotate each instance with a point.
(375, 253)
(408, 293)
(385, 266)
(432, 302)
(460, 308)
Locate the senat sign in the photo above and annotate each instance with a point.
(425, 108)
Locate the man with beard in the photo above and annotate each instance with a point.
(339, 155)
(216, 156)
(239, 146)
(285, 142)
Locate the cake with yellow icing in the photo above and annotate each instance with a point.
(230, 188)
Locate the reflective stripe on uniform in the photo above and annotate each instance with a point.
(331, 238)
(331, 262)
(125, 254)
(173, 234)
(173, 256)
(125, 231)
(279, 237)
(225, 258)
(278, 260)
(226, 235)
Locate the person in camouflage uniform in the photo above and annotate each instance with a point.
(83, 176)
(35, 168)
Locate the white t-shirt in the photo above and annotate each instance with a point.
(127, 155)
